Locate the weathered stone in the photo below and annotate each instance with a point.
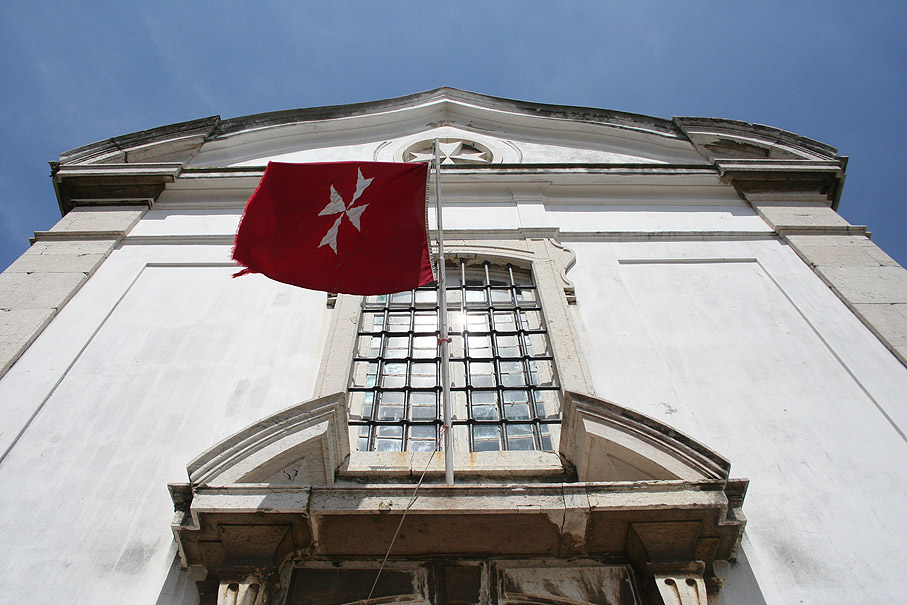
(889, 320)
(91, 246)
(99, 219)
(800, 215)
(867, 284)
(18, 328)
(57, 263)
(38, 290)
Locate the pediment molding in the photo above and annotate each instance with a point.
(608, 442)
(301, 445)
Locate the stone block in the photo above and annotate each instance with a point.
(867, 284)
(84, 219)
(800, 215)
(19, 324)
(56, 263)
(889, 320)
(38, 290)
(97, 246)
(18, 328)
(842, 250)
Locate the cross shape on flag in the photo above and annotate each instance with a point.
(304, 226)
(337, 205)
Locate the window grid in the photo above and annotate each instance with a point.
(504, 388)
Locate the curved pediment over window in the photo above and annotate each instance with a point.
(301, 445)
(308, 443)
(275, 497)
(607, 442)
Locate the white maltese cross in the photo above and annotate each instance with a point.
(337, 205)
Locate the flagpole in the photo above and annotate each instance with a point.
(444, 338)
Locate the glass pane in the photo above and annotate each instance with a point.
(426, 322)
(479, 346)
(398, 322)
(475, 276)
(522, 277)
(426, 297)
(519, 437)
(499, 276)
(389, 438)
(484, 405)
(477, 322)
(504, 322)
(545, 437)
(422, 438)
(512, 374)
(481, 374)
(486, 438)
(424, 375)
(390, 405)
(454, 297)
(402, 298)
(388, 445)
(425, 347)
(363, 444)
(423, 406)
(508, 346)
(455, 321)
(475, 296)
(516, 405)
(457, 374)
(501, 296)
(397, 347)
(456, 347)
(394, 375)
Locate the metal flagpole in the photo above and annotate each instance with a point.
(444, 338)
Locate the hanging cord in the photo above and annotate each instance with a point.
(412, 501)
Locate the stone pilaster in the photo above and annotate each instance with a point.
(37, 285)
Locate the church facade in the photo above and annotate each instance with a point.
(677, 374)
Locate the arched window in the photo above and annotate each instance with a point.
(504, 390)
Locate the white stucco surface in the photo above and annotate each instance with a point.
(688, 310)
(739, 345)
(160, 356)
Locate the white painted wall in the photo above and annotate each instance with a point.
(158, 357)
(739, 345)
(736, 343)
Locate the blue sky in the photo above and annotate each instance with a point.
(832, 71)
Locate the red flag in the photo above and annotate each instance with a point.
(350, 227)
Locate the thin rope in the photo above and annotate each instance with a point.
(412, 501)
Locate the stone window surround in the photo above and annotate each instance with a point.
(548, 262)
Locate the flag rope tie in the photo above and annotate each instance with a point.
(412, 501)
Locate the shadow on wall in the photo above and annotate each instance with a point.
(179, 586)
(741, 587)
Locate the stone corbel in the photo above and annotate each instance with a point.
(250, 590)
(680, 584)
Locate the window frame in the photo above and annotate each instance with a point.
(476, 288)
